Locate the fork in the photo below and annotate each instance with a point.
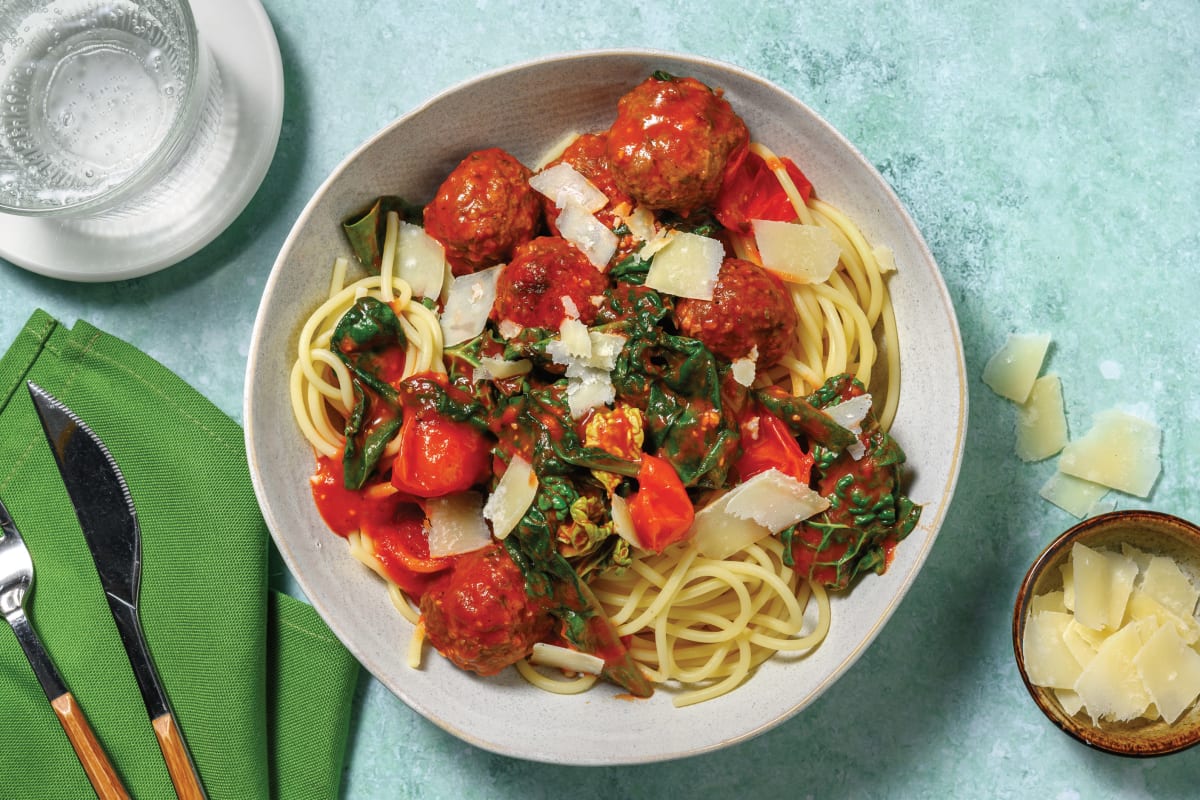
(16, 580)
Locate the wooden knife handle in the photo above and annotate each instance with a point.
(179, 761)
(91, 755)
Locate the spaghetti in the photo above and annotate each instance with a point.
(684, 619)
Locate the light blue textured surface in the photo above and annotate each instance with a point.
(1049, 158)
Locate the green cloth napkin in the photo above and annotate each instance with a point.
(260, 686)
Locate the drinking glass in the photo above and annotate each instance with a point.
(103, 104)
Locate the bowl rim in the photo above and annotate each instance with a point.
(946, 483)
(1050, 555)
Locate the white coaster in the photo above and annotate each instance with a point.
(246, 52)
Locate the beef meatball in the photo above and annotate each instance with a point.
(482, 619)
(671, 141)
(483, 210)
(542, 272)
(750, 308)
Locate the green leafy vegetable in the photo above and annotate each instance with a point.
(867, 515)
(367, 330)
(367, 229)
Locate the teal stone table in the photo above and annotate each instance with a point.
(1049, 156)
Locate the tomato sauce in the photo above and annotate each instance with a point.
(339, 507)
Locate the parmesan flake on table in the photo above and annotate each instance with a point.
(1013, 369)
(1120, 451)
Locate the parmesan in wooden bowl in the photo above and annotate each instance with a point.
(1106, 635)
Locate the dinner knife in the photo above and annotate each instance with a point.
(110, 526)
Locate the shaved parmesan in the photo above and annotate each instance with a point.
(563, 184)
(420, 260)
(1050, 601)
(511, 498)
(581, 228)
(623, 520)
(1012, 371)
(1170, 671)
(1092, 637)
(589, 384)
(885, 258)
(640, 222)
(774, 500)
(569, 308)
(551, 655)
(599, 353)
(497, 368)
(718, 534)
(1071, 702)
(744, 370)
(577, 200)
(456, 524)
(1041, 421)
(1147, 665)
(1068, 577)
(1092, 579)
(605, 349)
(1110, 685)
(588, 391)
(1048, 661)
(796, 253)
(850, 415)
(575, 340)
(1082, 642)
(1122, 573)
(1142, 559)
(1166, 583)
(1120, 451)
(761, 506)
(656, 243)
(468, 305)
(1143, 606)
(687, 266)
(1073, 495)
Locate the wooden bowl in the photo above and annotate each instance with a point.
(1151, 532)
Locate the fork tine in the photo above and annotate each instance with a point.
(7, 526)
(16, 567)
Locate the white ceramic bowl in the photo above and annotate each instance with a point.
(525, 109)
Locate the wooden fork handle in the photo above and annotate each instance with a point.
(91, 755)
(179, 762)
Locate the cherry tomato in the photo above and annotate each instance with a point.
(753, 192)
(396, 528)
(768, 444)
(439, 456)
(661, 510)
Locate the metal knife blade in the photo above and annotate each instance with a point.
(109, 521)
